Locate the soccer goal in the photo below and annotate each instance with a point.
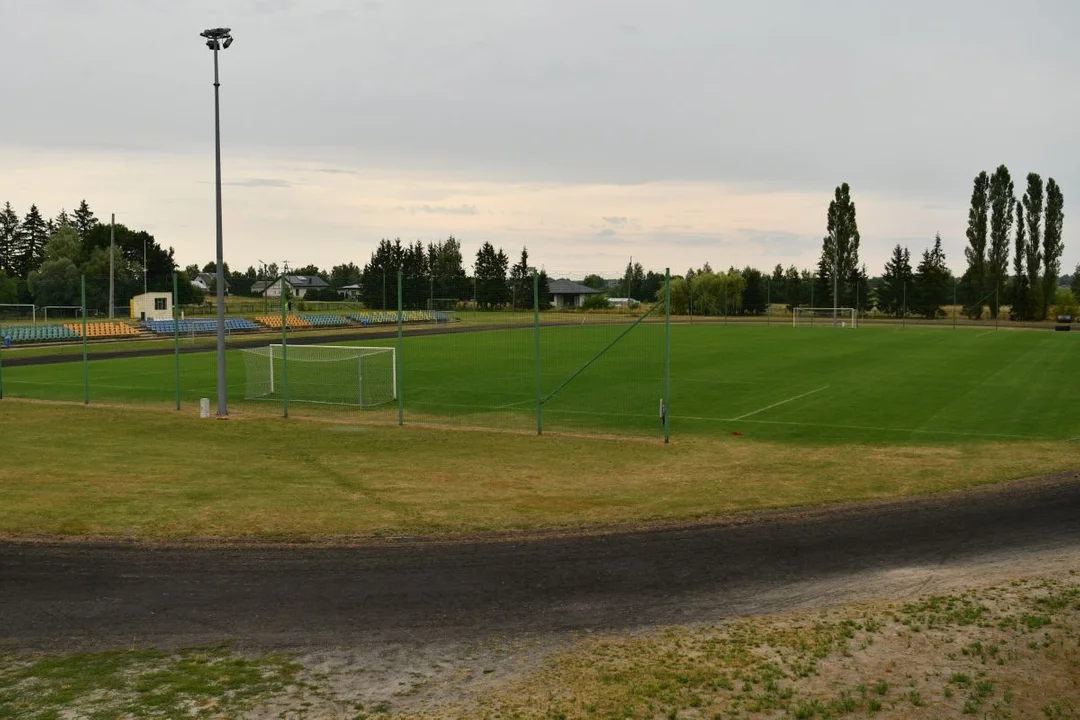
(328, 374)
(844, 317)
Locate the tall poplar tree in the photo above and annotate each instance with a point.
(1053, 245)
(1033, 209)
(1001, 198)
(976, 236)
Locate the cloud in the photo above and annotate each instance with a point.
(616, 220)
(463, 209)
(259, 182)
(606, 232)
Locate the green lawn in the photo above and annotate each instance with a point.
(809, 385)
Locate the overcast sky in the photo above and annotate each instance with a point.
(676, 132)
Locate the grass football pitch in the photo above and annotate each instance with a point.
(807, 385)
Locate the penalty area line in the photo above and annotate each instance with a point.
(782, 402)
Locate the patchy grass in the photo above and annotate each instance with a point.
(204, 683)
(114, 472)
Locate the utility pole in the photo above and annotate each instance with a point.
(144, 265)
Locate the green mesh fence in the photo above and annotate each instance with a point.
(518, 354)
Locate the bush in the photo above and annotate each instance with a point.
(596, 302)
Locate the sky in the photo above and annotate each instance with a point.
(592, 131)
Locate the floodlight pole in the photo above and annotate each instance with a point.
(112, 264)
(835, 280)
(215, 39)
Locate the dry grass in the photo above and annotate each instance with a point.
(1011, 651)
(75, 471)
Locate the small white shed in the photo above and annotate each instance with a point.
(152, 306)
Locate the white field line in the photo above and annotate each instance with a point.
(782, 402)
(988, 332)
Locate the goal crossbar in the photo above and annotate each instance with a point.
(324, 373)
(841, 317)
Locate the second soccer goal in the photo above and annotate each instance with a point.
(825, 317)
(329, 374)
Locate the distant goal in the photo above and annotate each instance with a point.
(825, 317)
(328, 374)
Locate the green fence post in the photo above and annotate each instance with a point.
(997, 309)
(811, 298)
(1, 364)
(85, 365)
(903, 309)
(176, 335)
(536, 335)
(284, 349)
(399, 359)
(667, 355)
(768, 302)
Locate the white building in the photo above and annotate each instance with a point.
(152, 306)
(298, 285)
(569, 294)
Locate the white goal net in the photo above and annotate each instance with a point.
(825, 317)
(329, 374)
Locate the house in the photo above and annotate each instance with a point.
(299, 285)
(259, 287)
(569, 294)
(152, 306)
(351, 291)
(205, 281)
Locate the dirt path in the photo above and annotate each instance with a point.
(65, 596)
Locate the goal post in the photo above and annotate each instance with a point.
(845, 317)
(328, 374)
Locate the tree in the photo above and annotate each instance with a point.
(342, 275)
(55, 282)
(1001, 199)
(521, 287)
(1020, 289)
(595, 282)
(9, 240)
(84, 220)
(1053, 245)
(9, 289)
(378, 281)
(777, 288)
(490, 274)
(1075, 285)
(62, 220)
(448, 270)
(753, 294)
(1033, 209)
(680, 295)
(976, 236)
(633, 282)
(599, 301)
(840, 250)
(932, 281)
(897, 281)
(33, 235)
(63, 244)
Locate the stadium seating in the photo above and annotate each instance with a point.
(274, 321)
(322, 320)
(389, 317)
(102, 330)
(37, 333)
(199, 326)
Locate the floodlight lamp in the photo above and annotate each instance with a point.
(228, 41)
(212, 44)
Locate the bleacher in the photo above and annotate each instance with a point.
(102, 330)
(389, 317)
(274, 321)
(199, 326)
(37, 333)
(322, 320)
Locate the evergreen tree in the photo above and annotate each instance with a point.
(1033, 209)
(379, 278)
(1021, 291)
(490, 273)
(777, 288)
(840, 247)
(1001, 199)
(33, 235)
(753, 294)
(9, 241)
(897, 282)
(932, 282)
(976, 236)
(1075, 285)
(521, 286)
(446, 265)
(62, 219)
(1053, 244)
(84, 220)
